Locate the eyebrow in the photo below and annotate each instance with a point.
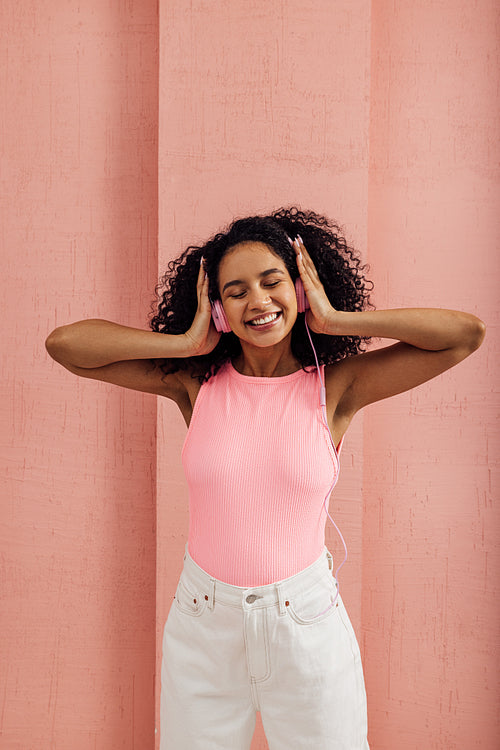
(261, 275)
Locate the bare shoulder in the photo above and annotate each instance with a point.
(190, 384)
(338, 380)
(386, 371)
(338, 377)
(346, 377)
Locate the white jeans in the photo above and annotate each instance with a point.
(229, 651)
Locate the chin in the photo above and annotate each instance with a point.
(264, 341)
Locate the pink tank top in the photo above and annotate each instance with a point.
(259, 462)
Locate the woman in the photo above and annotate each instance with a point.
(257, 621)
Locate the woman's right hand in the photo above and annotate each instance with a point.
(202, 337)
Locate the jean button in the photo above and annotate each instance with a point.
(251, 598)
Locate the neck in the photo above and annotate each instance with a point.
(272, 362)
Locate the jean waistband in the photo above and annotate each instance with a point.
(251, 597)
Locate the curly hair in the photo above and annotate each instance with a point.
(339, 268)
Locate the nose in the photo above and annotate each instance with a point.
(258, 298)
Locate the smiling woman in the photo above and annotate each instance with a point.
(257, 623)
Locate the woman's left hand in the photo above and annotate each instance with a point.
(321, 314)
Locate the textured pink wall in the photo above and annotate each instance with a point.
(78, 142)
(430, 531)
(262, 104)
(380, 115)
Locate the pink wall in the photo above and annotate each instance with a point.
(430, 531)
(378, 114)
(383, 117)
(259, 107)
(79, 196)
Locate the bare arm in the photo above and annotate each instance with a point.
(119, 354)
(433, 329)
(102, 350)
(96, 343)
(430, 340)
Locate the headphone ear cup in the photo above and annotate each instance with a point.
(219, 317)
(302, 301)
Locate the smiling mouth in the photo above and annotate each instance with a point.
(264, 320)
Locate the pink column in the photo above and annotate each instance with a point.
(262, 104)
(430, 532)
(79, 197)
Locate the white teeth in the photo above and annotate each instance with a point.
(264, 320)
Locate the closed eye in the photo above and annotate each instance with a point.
(269, 285)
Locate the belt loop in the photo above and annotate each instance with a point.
(330, 560)
(211, 594)
(281, 599)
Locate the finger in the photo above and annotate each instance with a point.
(301, 264)
(303, 259)
(202, 275)
(307, 261)
(298, 248)
(299, 258)
(202, 286)
(204, 298)
(302, 249)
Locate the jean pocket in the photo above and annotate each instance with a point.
(315, 604)
(188, 600)
(346, 622)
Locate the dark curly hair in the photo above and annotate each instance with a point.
(338, 266)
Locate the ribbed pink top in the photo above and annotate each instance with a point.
(259, 462)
